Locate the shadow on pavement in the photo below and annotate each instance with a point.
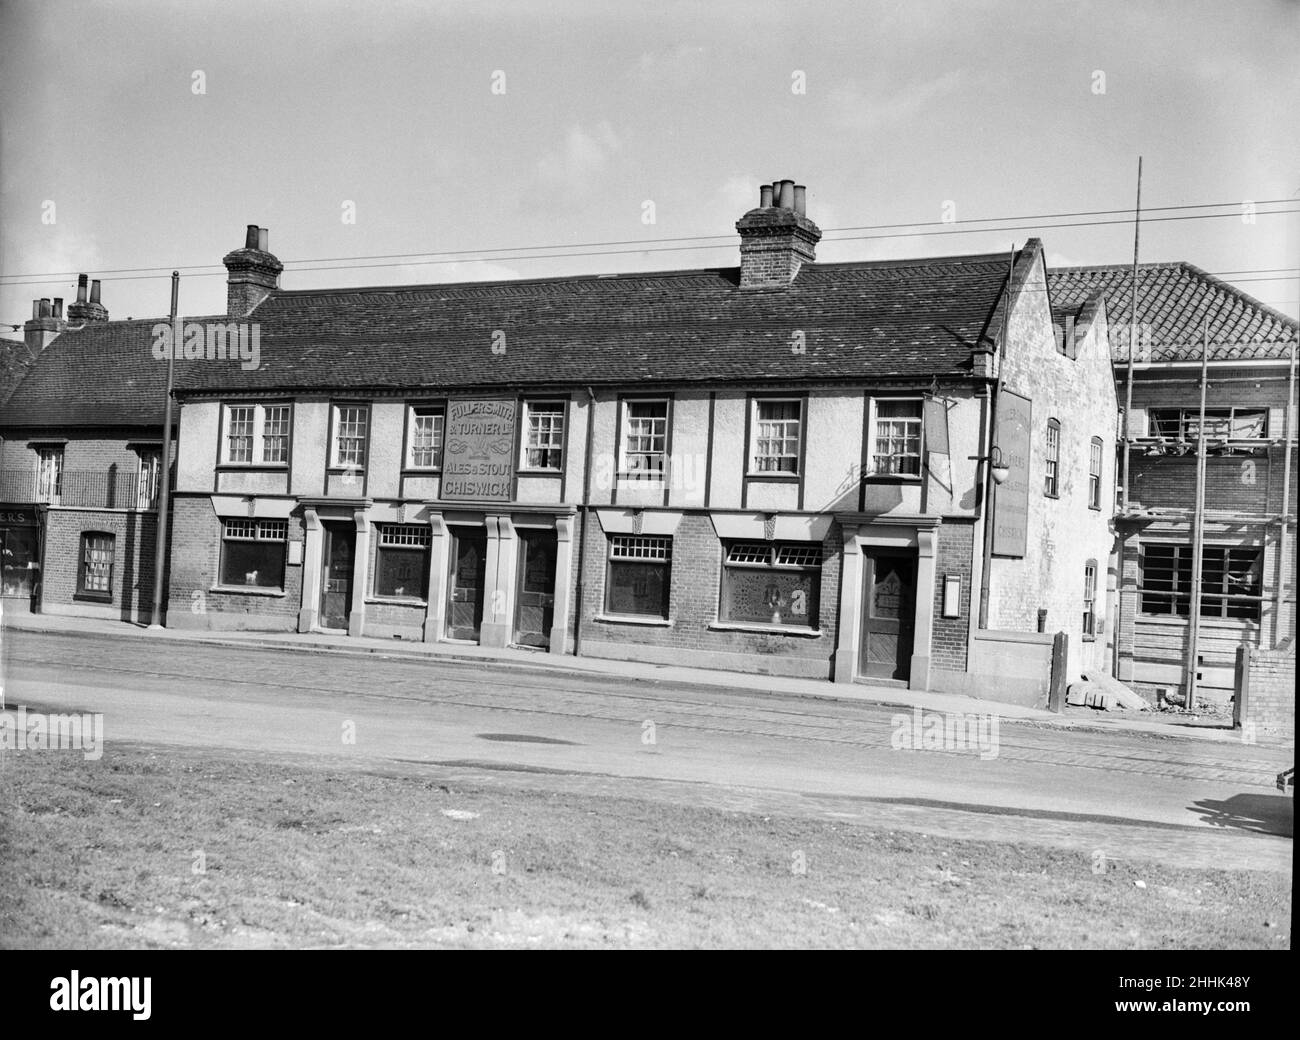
(1261, 813)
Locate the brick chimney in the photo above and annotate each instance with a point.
(87, 310)
(253, 273)
(777, 238)
(44, 325)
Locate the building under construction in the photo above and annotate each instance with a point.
(1181, 619)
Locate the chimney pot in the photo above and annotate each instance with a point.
(787, 194)
(94, 291)
(264, 240)
(36, 309)
(776, 193)
(800, 198)
(45, 307)
(58, 306)
(250, 237)
(81, 288)
(765, 196)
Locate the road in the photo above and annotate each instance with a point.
(1181, 802)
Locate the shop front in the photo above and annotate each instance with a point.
(20, 555)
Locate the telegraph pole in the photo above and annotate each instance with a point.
(165, 483)
(1132, 334)
(1198, 527)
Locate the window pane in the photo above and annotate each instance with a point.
(897, 447)
(426, 437)
(97, 563)
(275, 434)
(545, 435)
(638, 588)
(350, 442)
(239, 434)
(401, 572)
(646, 437)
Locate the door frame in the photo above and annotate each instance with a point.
(917, 533)
(454, 538)
(523, 536)
(906, 618)
(329, 527)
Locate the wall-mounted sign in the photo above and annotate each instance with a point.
(478, 458)
(1011, 497)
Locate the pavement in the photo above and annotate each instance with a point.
(473, 722)
(1203, 728)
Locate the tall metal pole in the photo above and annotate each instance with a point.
(1282, 569)
(1198, 527)
(165, 483)
(1132, 335)
(989, 483)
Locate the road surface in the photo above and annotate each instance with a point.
(1179, 801)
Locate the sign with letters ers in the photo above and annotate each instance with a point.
(478, 458)
(1011, 497)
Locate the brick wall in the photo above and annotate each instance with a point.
(195, 566)
(695, 587)
(132, 578)
(1239, 484)
(1267, 697)
(953, 555)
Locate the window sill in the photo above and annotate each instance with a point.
(264, 467)
(891, 478)
(398, 601)
(539, 472)
(634, 619)
(419, 471)
(94, 597)
(783, 630)
(344, 469)
(247, 590)
(777, 476)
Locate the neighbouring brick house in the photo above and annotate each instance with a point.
(780, 468)
(80, 451)
(1248, 558)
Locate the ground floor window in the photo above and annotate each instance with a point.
(1090, 600)
(95, 569)
(638, 578)
(1231, 580)
(252, 553)
(402, 561)
(772, 583)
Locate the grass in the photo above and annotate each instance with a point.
(176, 848)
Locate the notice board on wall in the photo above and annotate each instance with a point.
(1011, 497)
(478, 461)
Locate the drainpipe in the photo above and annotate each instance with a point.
(585, 512)
(1286, 504)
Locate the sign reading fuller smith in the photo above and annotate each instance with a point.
(478, 460)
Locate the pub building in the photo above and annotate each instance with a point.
(784, 467)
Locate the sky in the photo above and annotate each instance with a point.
(145, 134)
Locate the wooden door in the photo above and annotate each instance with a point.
(465, 589)
(339, 546)
(888, 615)
(535, 601)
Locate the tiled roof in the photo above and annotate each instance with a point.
(906, 318)
(1174, 300)
(913, 318)
(103, 374)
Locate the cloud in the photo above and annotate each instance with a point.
(671, 66)
(856, 106)
(583, 155)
